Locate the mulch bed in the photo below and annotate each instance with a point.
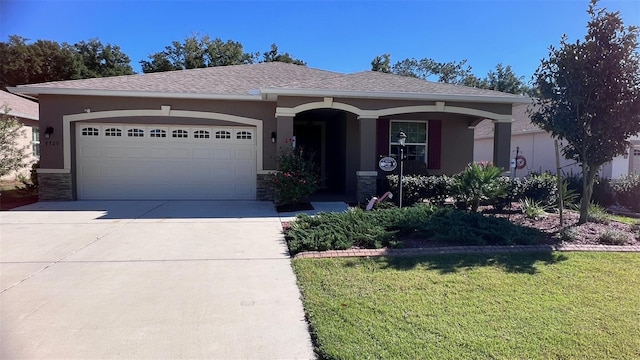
(11, 199)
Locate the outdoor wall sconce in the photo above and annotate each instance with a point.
(273, 137)
(626, 154)
(47, 132)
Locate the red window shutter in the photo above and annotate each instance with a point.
(434, 144)
(382, 138)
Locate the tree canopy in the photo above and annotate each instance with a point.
(13, 156)
(589, 94)
(452, 72)
(273, 55)
(203, 51)
(22, 62)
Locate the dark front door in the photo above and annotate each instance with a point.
(309, 140)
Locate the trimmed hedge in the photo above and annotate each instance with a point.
(380, 228)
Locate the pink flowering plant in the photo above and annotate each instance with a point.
(296, 179)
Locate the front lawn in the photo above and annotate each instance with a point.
(510, 306)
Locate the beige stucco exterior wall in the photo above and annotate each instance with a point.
(53, 108)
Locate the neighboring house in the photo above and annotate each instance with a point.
(537, 150)
(26, 111)
(214, 133)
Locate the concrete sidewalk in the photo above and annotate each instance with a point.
(148, 279)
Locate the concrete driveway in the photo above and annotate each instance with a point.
(148, 279)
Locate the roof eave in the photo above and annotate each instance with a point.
(31, 90)
(272, 93)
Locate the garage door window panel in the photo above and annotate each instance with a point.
(158, 133)
(201, 134)
(90, 131)
(136, 132)
(113, 132)
(223, 134)
(244, 135)
(179, 134)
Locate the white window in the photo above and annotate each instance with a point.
(158, 133)
(416, 143)
(636, 152)
(243, 135)
(180, 134)
(222, 134)
(135, 133)
(90, 131)
(112, 132)
(35, 142)
(201, 134)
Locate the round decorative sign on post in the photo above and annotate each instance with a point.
(521, 162)
(388, 163)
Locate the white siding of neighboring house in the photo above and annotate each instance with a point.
(537, 148)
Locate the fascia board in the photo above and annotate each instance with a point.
(397, 95)
(23, 90)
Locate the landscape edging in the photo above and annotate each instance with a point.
(462, 250)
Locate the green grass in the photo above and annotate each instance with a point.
(511, 306)
(625, 219)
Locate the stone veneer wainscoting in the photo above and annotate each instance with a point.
(54, 187)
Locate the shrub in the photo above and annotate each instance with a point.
(598, 214)
(374, 229)
(478, 182)
(513, 192)
(296, 178)
(543, 188)
(532, 209)
(602, 191)
(412, 188)
(613, 237)
(418, 188)
(29, 186)
(627, 191)
(569, 234)
(461, 227)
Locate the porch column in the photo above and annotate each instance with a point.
(284, 131)
(366, 174)
(502, 144)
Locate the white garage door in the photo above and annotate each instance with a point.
(128, 161)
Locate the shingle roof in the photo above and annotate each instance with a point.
(374, 81)
(247, 79)
(521, 124)
(234, 79)
(19, 106)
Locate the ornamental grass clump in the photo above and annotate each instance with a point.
(297, 177)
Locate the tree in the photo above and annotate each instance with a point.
(459, 73)
(41, 61)
(98, 60)
(12, 155)
(590, 94)
(505, 80)
(273, 55)
(382, 63)
(197, 52)
(44, 60)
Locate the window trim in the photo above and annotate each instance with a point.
(35, 142)
(395, 140)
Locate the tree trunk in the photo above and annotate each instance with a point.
(588, 178)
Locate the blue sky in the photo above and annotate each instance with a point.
(342, 36)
